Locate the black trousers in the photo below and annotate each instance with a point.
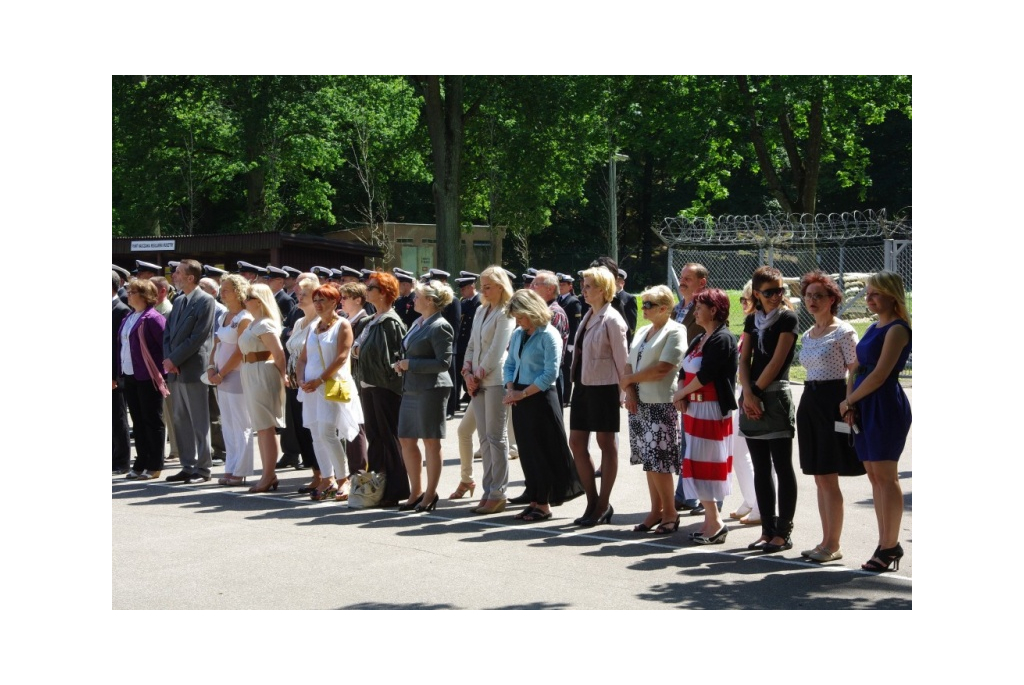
(453, 398)
(122, 449)
(764, 454)
(384, 452)
(146, 405)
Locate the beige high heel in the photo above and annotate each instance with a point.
(463, 488)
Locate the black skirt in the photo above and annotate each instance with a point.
(595, 408)
(823, 450)
(548, 465)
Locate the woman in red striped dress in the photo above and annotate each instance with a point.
(707, 398)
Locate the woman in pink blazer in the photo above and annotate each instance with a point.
(599, 360)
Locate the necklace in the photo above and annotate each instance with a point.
(325, 325)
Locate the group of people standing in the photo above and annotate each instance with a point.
(517, 360)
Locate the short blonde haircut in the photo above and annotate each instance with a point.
(891, 284)
(238, 284)
(603, 279)
(307, 283)
(440, 294)
(659, 295)
(498, 276)
(263, 293)
(529, 304)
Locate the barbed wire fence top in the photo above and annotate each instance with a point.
(849, 246)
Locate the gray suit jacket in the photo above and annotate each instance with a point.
(429, 351)
(187, 340)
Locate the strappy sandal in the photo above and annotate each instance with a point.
(643, 528)
(884, 558)
(667, 528)
(521, 516)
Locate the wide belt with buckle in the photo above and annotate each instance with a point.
(253, 357)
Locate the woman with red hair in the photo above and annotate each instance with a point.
(707, 398)
(377, 348)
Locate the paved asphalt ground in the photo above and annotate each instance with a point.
(209, 547)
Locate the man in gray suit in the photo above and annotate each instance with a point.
(187, 345)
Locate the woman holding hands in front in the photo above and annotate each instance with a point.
(882, 409)
(649, 380)
(707, 398)
(485, 360)
(425, 390)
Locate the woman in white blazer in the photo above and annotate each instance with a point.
(649, 380)
(482, 371)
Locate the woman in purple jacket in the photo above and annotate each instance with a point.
(141, 377)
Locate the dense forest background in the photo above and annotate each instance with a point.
(312, 154)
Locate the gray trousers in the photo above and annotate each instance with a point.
(491, 419)
(190, 409)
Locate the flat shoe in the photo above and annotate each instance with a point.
(747, 521)
(535, 515)
(822, 555)
(809, 552)
(769, 548)
(757, 544)
(740, 513)
(523, 514)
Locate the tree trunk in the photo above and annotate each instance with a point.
(445, 117)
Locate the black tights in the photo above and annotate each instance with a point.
(764, 454)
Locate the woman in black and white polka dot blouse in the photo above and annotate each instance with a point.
(828, 352)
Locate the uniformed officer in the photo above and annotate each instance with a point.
(250, 272)
(403, 304)
(144, 270)
(470, 300)
(275, 279)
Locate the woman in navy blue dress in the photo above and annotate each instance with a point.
(877, 404)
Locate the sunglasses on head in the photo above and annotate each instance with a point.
(771, 292)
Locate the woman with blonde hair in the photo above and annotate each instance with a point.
(428, 349)
(326, 357)
(599, 357)
(530, 373)
(877, 403)
(263, 370)
(649, 380)
(482, 370)
(225, 372)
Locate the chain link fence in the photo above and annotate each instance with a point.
(849, 246)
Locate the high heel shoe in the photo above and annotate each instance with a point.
(668, 527)
(420, 508)
(463, 488)
(270, 486)
(884, 558)
(606, 517)
(644, 528)
(716, 539)
(498, 506)
(319, 495)
(591, 521)
(586, 520)
(409, 506)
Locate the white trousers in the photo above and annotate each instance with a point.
(330, 454)
(238, 433)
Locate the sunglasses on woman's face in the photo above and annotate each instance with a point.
(648, 305)
(816, 297)
(771, 292)
(744, 300)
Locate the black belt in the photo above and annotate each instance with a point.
(819, 385)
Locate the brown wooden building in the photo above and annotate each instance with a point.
(226, 249)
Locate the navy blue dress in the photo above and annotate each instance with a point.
(884, 414)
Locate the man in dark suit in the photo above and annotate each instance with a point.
(574, 312)
(187, 345)
(623, 302)
(122, 447)
(275, 279)
(403, 304)
(469, 303)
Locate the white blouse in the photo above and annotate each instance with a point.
(827, 357)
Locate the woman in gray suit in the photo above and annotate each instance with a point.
(427, 349)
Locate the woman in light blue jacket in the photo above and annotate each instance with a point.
(530, 372)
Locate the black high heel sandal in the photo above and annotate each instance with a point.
(409, 506)
(668, 527)
(886, 558)
(427, 507)
(641, 528)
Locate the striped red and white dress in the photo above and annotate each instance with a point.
(708, 460)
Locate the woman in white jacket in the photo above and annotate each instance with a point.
(482, 371)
